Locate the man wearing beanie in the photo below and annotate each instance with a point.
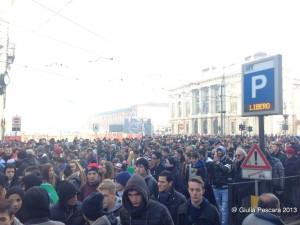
(92, 209)
(139, 209)
(142, 169)
(291, 171)
(67, 210)
(93, 181)
(121, 181)
(36, 207)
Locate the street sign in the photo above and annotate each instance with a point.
(16, 123)
(256, 165)
(262, 87)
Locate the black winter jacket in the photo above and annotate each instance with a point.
(149, 213)
(67, 215)
(172, 200)
(221, 172)
(207, 214)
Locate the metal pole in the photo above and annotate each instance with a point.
(256, 188)
(261, 128)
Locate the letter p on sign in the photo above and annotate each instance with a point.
(258, 82)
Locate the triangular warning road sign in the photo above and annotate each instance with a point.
(256, 159)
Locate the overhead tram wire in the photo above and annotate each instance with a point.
(55, 14)
(37, 33)
(70, 20)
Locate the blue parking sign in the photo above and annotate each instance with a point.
(262, 87)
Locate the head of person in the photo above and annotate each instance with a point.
(136, 194)
(156, 158)
(275, 147)
(142, 167)
(73, 166)
(32, 170)
(221, 151)
(47, 171)
(290, 152)
(8, 150)
(170, 163)
(15, 195)
(108, 170)
(121, 180)
(92, 207)
(67, 193)
(268, 201)
(31, 180)
(10, 171)
(165, 181)
(165, 152)
(196, 189)
(92, 173)
(7, 216)
(36, 204)
(108, 190)
(240, 154)
(195, 156)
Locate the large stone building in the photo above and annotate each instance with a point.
(130, 120)
(213, 105)
(6, 57)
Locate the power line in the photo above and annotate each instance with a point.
(70, 20)
(55, 14)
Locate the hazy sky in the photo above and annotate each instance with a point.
(62, 72)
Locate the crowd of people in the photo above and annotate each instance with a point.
(160, 180)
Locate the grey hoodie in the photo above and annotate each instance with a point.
(103, 220)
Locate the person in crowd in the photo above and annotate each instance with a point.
(197, 210)
(179, 154)
(67, 210)
(221, 176)
(121, 181)
(243, 187)
(263, 216)
(30, 180)
(142, 168)
(168, 196)
(3, 185)
(292, 174)
(93, 180)
(24, 162)
(15, 195)
(75, 174)
(276, 151)
(138, 208)
(7, 215)
(49, 179)
(36, 205)
(156, 164)
(171, 164)
(197, 167)
(92, 209)
(10, 173)
(8, 156)
(111, 203)
(107, 170)
(48, 174)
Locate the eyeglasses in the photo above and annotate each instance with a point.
(237, 155)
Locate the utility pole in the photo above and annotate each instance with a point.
(222, 104)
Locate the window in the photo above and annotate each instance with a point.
(204, 100)
(195, 101)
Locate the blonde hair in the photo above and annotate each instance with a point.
(109, 185)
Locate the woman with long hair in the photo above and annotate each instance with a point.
(74, 173)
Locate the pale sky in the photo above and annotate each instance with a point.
(155, 45)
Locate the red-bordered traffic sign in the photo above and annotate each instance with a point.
(256, 160)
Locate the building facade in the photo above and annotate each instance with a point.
(133, 119)
(213, 106)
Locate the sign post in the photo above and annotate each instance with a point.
(16, 124)
(256, 166)
(262, 90)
